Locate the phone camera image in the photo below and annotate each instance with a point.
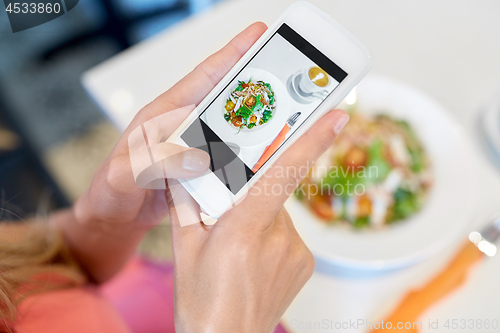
(262, 106)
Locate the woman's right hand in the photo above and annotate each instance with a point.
(241, 274)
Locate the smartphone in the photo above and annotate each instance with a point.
(303, 66)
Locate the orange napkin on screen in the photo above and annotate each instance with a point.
(269, 151)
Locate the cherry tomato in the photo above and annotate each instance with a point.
(229, 106)
(364, 206)
(250, 101)
(356, 157)
(237, 121)
(322, 206)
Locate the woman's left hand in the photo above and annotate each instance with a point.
(110, 218)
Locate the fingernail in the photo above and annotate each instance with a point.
(195, 160)
(340, 122)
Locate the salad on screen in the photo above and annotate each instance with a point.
(250, 104)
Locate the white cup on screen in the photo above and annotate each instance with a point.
(314, 81)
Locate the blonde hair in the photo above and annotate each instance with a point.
(37, 263)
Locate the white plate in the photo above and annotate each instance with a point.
(450, 205)
(260, 134)
(490, 122)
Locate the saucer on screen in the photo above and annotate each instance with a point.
(302, 96)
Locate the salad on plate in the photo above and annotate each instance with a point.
(375, 174)
(250, 104)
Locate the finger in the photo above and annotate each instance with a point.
(187, 229)
(166, 160)
(197, 84)
(279, 182)
(152, 160)
(140, 135)
(180, 162)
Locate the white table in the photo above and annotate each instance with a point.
(448, 49)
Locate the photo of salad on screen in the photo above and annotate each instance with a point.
(250, 105)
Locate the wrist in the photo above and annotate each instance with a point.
(219, 324)
(86, 216)
(100, 248)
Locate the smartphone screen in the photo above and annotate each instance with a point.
(262, 106)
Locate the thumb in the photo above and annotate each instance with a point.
(280, 181)
(152, 165)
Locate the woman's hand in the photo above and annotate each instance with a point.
(242, 273)
(108, 221)
(114, 196)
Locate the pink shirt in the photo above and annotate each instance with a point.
(76, 310)
(139, 300)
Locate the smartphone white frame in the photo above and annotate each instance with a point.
(327, 36)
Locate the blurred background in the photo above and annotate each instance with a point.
(49, 126)
(52, 135)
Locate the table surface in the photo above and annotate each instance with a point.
(447, 49)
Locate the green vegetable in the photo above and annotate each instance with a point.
(377, 161)
(227, 117)
(244, 112)
(266, 116)
(361, 222)
(405, 204)
(403, 123)
(258, 104)
(271, 96)
(341, 183)
(258, 107)
(343, 214)
(240, 86)
(417, 159)
(408, 131)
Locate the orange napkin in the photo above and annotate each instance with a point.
(269, 151)
(417, 301)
